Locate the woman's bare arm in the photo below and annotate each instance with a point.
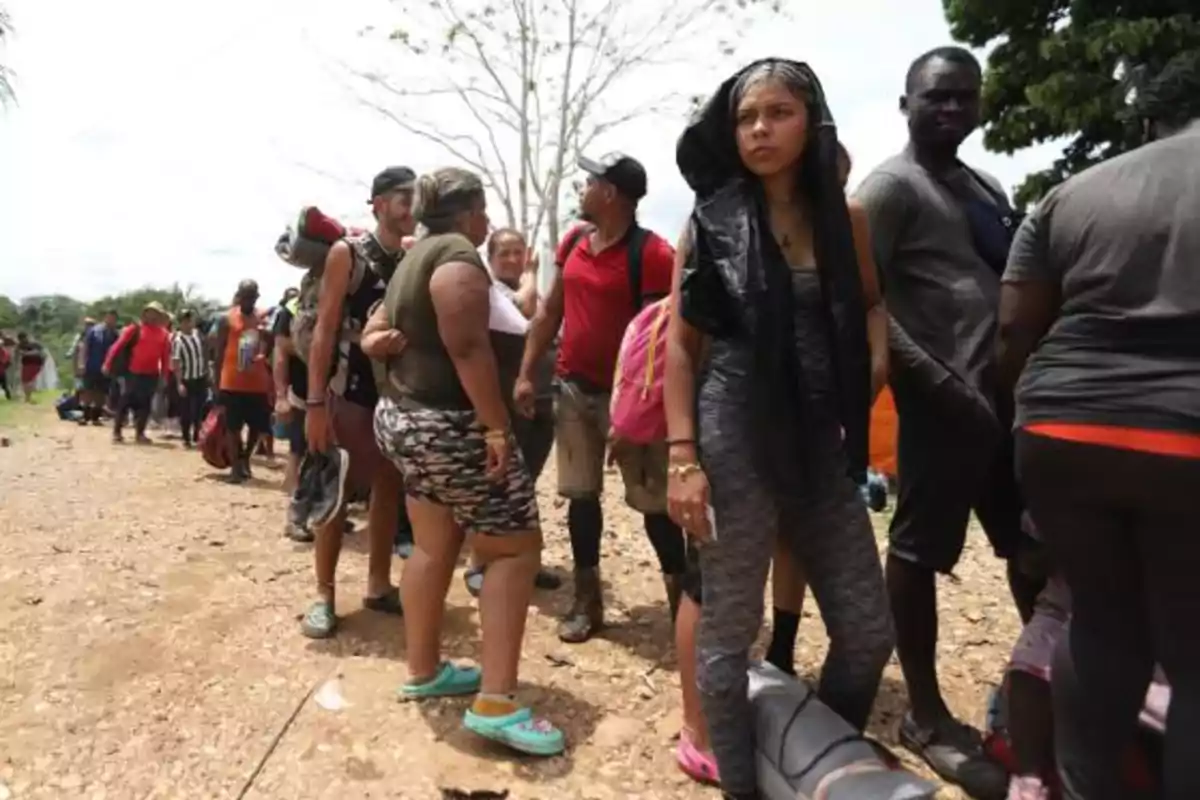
(374, 340)
(527, 294)
(877, 319)
(685, 345)
(461, 299)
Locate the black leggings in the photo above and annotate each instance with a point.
(191, 407)
(136, 397)
(1122, 526)
(585, 522)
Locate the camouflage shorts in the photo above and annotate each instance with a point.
(443, 457)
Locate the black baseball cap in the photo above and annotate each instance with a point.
(622, 171)
(391, 179)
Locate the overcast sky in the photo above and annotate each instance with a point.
(158, 142)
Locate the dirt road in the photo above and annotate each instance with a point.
(149, 648)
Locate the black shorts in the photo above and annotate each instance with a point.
(97, 382)
(944, 474)
(246, 409)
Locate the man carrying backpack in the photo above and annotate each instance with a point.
(607, 270)
(96, 385)
(340, 407)
(142, 357)
(243, 376)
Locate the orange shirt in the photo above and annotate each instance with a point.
(244, 364)
(1162, 443)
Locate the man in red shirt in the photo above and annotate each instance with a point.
(140, 358)
(595, 297)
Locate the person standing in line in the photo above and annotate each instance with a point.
(189, 364)
(444, 421)
(141, 357)
(96, 385)
(1100, 319)
(31, 357)
(291, 387)
(342, 394)
(76, 353)
(5, 364)
(244, 380)
(777, 343)
(594, 297)
(940, 234)
(514, 267)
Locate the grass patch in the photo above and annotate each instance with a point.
(16, 413)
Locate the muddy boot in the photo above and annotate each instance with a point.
(674, 584)
(587, 613)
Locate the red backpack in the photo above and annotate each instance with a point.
(636, 409)
(214, 440)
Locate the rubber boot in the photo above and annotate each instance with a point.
(674, 584)
(587, 612)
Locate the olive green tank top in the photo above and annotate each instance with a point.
(424, 374)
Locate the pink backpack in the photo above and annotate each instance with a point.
(636, 410)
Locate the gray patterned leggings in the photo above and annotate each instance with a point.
(833, 540)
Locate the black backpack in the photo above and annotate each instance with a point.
(120, 362)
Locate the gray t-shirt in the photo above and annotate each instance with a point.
(1122, 243)
(939, 290)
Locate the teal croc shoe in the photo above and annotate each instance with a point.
(520, 730)
(450, 681)
(320, 621)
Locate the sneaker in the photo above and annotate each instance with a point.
(402, 544)
(955, 752)
(323, 481)
(298, 533)
(473, 578)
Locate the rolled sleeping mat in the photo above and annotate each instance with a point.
(283, 245)
(807, 752)
(308, 253)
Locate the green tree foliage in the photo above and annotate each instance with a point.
(1053, 72)
(54, 320)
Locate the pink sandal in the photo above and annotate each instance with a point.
(697, 764)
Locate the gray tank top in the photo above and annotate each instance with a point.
(813, 347)
(724, 382)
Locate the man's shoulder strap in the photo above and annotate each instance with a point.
(576, 236)
(636, 247)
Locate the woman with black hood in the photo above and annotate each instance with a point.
(777, 345)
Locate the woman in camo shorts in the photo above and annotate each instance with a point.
(444, 421)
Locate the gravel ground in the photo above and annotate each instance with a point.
(151, 648)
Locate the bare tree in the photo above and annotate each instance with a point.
(7, 94)
(516, 89)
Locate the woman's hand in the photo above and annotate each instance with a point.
(381, 344)
(687, 493)
(498, 453)
(317, 429)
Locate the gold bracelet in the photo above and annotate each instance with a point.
(495, 435)
(682, 471)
